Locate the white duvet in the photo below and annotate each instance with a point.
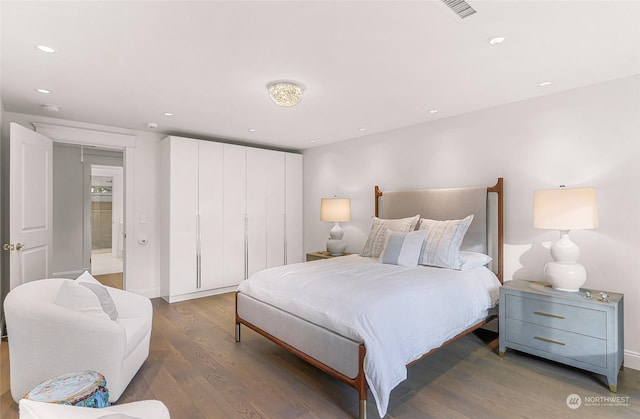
(399, 313)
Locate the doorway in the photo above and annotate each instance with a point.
(107, 224)
(88, 212)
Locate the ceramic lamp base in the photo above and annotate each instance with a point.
(565, 276)
(336, 247)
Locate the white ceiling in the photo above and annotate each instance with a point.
(378, 65)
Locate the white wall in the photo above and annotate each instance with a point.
(584, 137)
(68, 212)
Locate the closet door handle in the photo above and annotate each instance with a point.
(246, 246)
(198, 254)
(285, 238)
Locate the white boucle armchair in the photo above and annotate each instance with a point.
(147, 409)
(47, 340)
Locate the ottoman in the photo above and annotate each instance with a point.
(87, 388)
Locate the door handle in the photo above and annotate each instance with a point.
(11, 246)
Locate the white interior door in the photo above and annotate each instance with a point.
(30, 210)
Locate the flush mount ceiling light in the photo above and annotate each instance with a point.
(285, 93)
(44, 91)
(496, 40)
(545, 84)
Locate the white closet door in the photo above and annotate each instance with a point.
(293, 208)
(211, 214)
(265, 209)
(233, 237)
(275, 206)
(183, 213)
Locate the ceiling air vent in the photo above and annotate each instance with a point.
(460, 7)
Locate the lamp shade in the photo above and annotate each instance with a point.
(335, 209)
(565, 209)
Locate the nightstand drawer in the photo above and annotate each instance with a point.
(559, 316)
(581, 348)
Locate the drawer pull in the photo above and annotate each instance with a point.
(542, 313)
(549, 340)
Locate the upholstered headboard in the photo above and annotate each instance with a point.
(486, 232)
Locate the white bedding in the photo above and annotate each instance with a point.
(380, 305)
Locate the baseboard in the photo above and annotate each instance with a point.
(632, 360)
(149, 292)
(199, 294)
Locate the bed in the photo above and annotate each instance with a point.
(345, 315)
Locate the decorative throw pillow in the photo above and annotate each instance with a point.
(471, 260)
(377, 234)
(443, 240)
(87, 295)
(403, 248)
(107, 303)
(78, 298)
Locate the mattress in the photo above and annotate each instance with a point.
(399, 313)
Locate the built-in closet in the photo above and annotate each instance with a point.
(228, 211)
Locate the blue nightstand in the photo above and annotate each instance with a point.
(566, 327)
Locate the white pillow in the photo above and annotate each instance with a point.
(79, 298)
(443, 240)
(471, 260)
(109, 307)
(378, 233)
(87, 295)
(403, 249)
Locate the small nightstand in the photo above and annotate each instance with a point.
(323, 255)
(565, 327)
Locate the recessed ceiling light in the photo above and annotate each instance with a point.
(312, 141)
(51, 108)
(43, 91)
(252, 130)
(167, 114)
(45, 48)
(362, 129)
(433, 111)
(496, 40)
(545, 84)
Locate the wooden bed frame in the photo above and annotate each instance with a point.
(359, 382)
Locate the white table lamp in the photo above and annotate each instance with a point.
(335, 210)
(565, 209)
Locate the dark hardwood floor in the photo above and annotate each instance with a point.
(198, 371)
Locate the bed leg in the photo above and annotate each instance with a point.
(237, 332)
(363, 409)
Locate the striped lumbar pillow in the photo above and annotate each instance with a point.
(442, 242)
(378, 233)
